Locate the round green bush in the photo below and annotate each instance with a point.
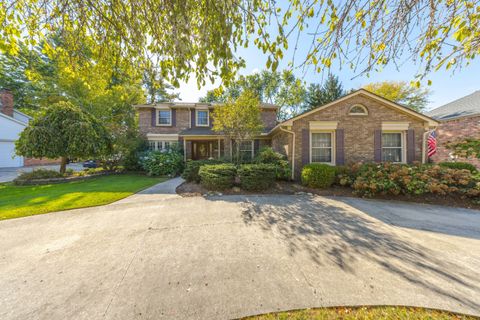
(318, 175)
(257, 176)
(267, 155)
(217, 176)
(459, 165)
(193, 166)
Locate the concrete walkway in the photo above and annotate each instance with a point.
(233, 256)
(159, 192)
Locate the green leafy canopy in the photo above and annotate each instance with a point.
(63, 130)
(202, 37)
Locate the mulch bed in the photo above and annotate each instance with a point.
(191, 189)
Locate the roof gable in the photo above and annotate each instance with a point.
(370, 95)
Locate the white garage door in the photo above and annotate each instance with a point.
(7, 151)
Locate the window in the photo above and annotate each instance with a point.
(160, 145)
(202, 118)
(164, 117)
(392, 147)
(246, 150)
(321, 147)
(358, 110)
(152, 145)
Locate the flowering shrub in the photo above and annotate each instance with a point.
(394, 179)
(157, 163)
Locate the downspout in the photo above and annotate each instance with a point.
(293, 150)
(424, 139)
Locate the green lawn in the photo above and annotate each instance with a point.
(364, 313)
(21, 201)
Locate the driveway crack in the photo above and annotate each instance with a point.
(114, 294)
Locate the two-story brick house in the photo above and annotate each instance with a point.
(360, 126)
(190, 124)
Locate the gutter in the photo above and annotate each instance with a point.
(293, 150)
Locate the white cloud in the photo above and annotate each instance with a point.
(255, 70)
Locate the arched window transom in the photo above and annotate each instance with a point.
(358, 110)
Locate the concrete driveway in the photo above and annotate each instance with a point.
(9, 174)
(233, 256)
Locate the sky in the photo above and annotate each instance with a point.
(446, 85)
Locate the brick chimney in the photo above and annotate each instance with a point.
(6, 102)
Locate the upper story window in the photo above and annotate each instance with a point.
(202, 118)
(392, 147)
(164, 117)
(358, 110)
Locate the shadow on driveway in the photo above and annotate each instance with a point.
(333, 231)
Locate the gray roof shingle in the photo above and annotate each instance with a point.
(466, 106)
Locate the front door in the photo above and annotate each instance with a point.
(202, 150)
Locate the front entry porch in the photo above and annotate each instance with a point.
(201, 149)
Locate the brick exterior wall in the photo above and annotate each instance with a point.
(39, 162)
(6, 102)
(454, 130)
(282, 142)
(145, 122)
(358, 130)
(269, 118)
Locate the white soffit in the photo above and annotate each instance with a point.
(160, 136)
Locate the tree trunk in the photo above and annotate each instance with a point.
(63, 165)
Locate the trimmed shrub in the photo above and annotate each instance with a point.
(394, 179)
(318, 175)
(459, 165)
(193, 166)
(40, 174)
(257, 176)
(267, 155)
(158, 163)
(217, 176)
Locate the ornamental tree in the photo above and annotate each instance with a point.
(240, 120)
(63, 131)
(401, 92)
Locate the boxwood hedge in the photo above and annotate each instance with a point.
(257, 176)
(217, 176)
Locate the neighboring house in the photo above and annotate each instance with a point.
(360, 126)
(12, 123)
(459, 119)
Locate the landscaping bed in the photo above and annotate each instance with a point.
(192, 189)
(449, 184)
